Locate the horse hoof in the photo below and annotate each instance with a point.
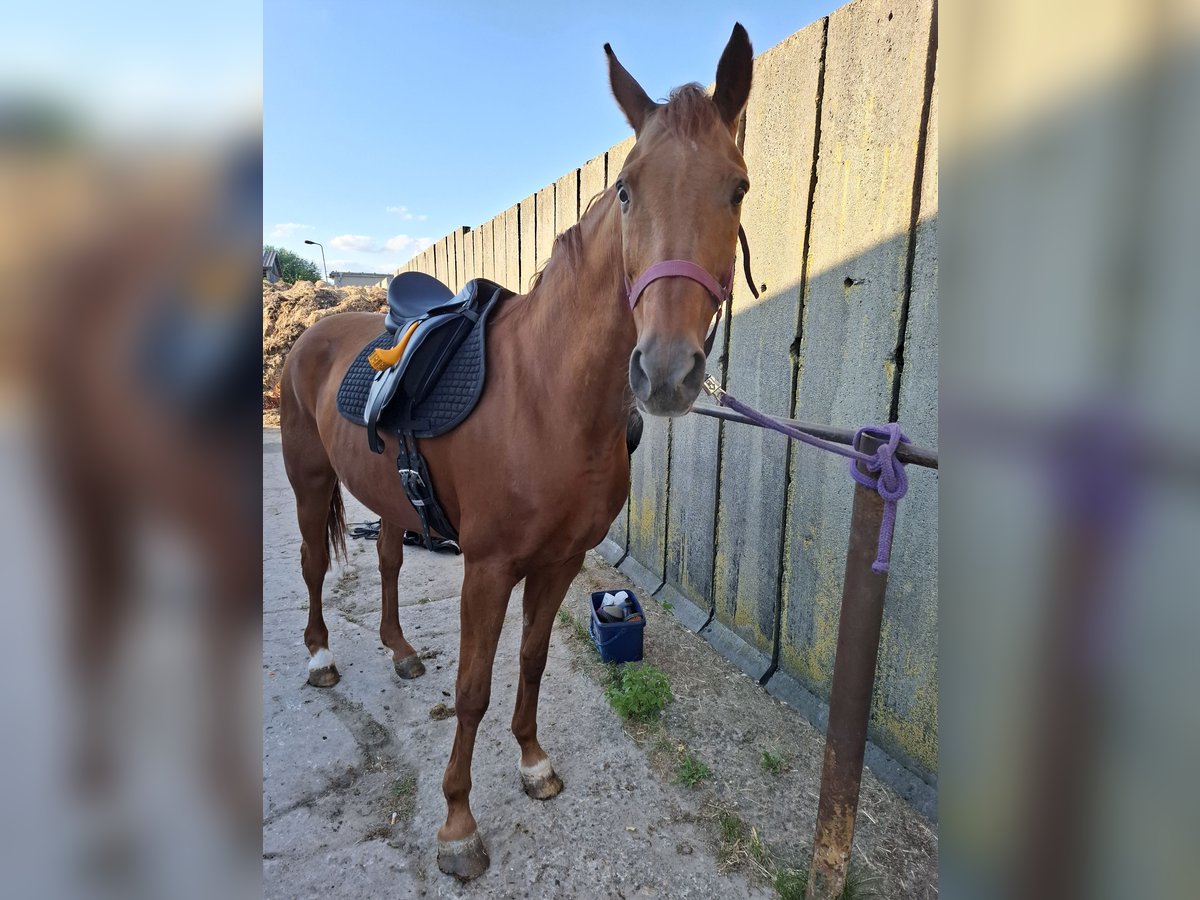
(541, 782)
(321, 670)
(410, 667)
(464, 859)
(324, 677)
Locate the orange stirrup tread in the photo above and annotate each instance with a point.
(385, 359)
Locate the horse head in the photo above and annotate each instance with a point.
(680, 194)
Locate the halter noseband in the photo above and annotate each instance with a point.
(683, 268)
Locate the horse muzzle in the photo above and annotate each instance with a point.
(666, 376)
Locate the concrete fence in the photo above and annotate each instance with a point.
(840, 139)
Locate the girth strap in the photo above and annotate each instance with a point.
(418, 487)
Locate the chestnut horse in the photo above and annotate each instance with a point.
(536, 474)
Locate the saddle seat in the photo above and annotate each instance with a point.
(413, 295)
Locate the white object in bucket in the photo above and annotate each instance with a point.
(615, 605)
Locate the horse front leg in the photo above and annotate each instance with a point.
(405, 659)
(486, 588)
(544, 592)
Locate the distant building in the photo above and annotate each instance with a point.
(360, 279)
(271, 270)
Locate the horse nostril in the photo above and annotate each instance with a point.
(638, 379)
(695, 378)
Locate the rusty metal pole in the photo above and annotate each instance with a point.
(850, 697)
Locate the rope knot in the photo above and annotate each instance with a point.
(886, 476)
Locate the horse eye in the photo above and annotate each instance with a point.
(739, 194)
(623, 195)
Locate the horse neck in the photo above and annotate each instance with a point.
(578, 324)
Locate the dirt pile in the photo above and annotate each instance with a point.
(288, 309)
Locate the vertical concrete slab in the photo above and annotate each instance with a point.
(691, 512)
(498, 251)
(616, 157)
(485, 266)
(457, 243)
(512, 248)
(528, 230)
(780, 124)
(875, 76)
(566, 201)
(545, 228)
(649, 478)
(905, 705)
(467, 242)
(591, 181)
(443, 260)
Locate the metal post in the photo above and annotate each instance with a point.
(850, 697)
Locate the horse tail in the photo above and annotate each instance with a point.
(335, 526)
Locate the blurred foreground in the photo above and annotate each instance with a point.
(129, 451)
(1070, 442)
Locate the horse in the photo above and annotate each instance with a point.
(617, 317)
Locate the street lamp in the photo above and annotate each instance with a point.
(323, 269)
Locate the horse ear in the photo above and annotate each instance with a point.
(733, 76)
(633, 101)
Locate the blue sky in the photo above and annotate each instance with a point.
(389, 123)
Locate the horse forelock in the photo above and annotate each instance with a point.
(689, 111)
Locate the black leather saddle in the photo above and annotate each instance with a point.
(432, 358)
(439, 377)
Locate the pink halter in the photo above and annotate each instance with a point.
(680, 268)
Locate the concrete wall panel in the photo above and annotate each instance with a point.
(528, 232)
(591, 181)
(545, 228)
(566, 201)
(780, 124)
(875, 78)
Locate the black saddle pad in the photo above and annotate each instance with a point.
(445, 407)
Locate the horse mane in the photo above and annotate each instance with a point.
(567, 247)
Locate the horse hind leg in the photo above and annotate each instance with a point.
(322, 520)
(407, 663)
(322, 529)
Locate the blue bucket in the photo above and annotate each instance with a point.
(617, 642)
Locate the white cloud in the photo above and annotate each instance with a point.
(359, 243)
(402, 243)
(287, 229)
(406, 214)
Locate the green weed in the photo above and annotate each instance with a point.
(691, 771)
(638, 692)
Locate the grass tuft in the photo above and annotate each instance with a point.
(774, 763)
(691, 771)
(637, 692)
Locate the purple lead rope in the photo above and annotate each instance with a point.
(885, 474)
